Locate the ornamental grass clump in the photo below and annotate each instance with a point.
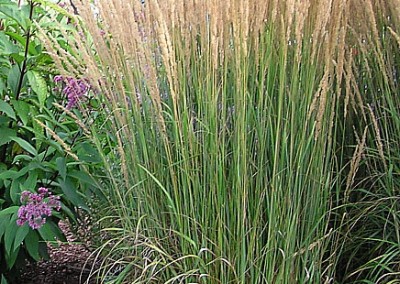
(230, 160)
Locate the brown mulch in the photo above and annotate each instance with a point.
(70, 263)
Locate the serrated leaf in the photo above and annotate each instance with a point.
(39, 86)
(25, 145)
(7, 109)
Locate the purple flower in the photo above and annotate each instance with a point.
(37, 206)
(74, 90)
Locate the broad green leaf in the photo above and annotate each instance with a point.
(15, 189)
(83, 177)
(31, 181)
(7, 109)
(22, 109)
(32, 244)
(25, 145)
(13, 174)
(20, 235)
(43, 251)
(12, 257)
(9, 211)
(11, 10)
(6, 135)
(2, 85)
(13, 79)
(71, 193)
(51, 233)
(10, 233)
(39, 86)
(88, 153)
(6, 45)
(22, 40)
(3, 280)
(4, 221)
(61, 167)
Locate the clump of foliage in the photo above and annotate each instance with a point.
(249, 141)
(43, 138)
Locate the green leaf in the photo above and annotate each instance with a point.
(6, 45)
(51, 233)
(7, 109)
(38, 129)
(9, 211)
(13, 79)
(22, 40)
(2, 85)
(15, 189)
(6, 135)
(61, 167)
(10, 233)
(32, 244)
(20, 235)
(11, 10)
(71, 193)
(22, 109)
(25, 145)
(3, 280)
(39, 86)
(31, 181)
(3, 225)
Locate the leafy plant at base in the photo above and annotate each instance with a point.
(41, 144)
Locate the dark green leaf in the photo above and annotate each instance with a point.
(20, 235)
(71, 193)
(7, 109)
(4, 221)
(61, 167)
(31, 181)
(6, 135)
(32, 244)
(10, 233)
(25, 145)
(22, 109)
(13, 79)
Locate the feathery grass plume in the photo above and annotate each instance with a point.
(59, 140)
(223, 120)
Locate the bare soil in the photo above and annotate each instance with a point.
(70, 263)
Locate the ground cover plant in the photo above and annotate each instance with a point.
(244, 141)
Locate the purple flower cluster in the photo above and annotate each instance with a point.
(37, 207)
(74, 90)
